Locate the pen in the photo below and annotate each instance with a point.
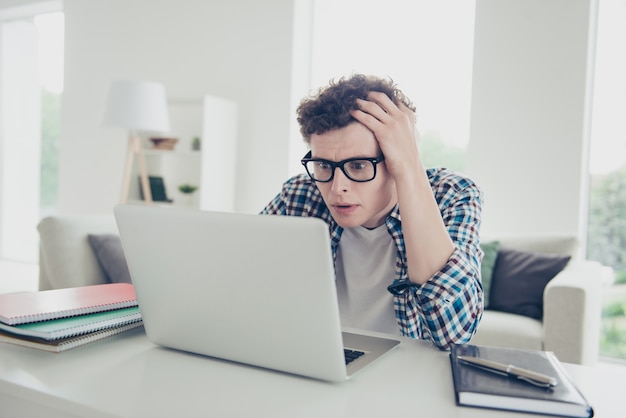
(537, 379)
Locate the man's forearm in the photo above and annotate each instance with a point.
(428, 243)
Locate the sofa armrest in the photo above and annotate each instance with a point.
(572, 306)
(65, 256)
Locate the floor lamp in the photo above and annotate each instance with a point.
(136, 106)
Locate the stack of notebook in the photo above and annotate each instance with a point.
(61, 319)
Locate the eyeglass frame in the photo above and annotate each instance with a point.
(341, 164)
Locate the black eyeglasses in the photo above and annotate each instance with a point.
(357, 169)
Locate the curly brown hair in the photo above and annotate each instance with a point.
(330, 108)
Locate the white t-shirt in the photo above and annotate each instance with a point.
(365, 267)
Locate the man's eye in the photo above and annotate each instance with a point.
(357, 165)
(322, 165)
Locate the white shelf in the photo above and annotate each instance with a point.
(213, 169)
(172, 153)
(176, 168)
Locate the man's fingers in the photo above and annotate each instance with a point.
(372, 108)
(381, 107)
(366, 119)
(382, 100)
(407, 111)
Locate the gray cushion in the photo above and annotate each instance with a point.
(110, 255)
(490, 250)
(519, 279)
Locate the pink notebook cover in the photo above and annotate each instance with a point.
(25, 307)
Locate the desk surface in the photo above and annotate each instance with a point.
(127, 376)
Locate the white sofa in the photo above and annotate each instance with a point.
(572, 306)
(572, 300)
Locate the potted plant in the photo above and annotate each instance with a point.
(195, 143)
(187, 190)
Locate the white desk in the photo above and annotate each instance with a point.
(130, 377)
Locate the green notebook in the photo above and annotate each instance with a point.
(76, 325)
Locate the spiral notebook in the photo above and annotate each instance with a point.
(25, 307)
(64, 344)
(55, 329)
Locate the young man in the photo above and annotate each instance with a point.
(404, 239)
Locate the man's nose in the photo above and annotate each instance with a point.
(341, 183)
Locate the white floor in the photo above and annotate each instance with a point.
(18, 277)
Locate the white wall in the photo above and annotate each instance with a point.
(530, 116)
(240, 50)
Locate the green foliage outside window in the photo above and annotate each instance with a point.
(613, 337)
(436, 153)
(606, 243)
(50, 134)
(607, 220)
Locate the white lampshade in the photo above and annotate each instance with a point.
(138, 106)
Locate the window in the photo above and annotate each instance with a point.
(425, 46)
(607, 206)
(31, 82)
(51, 46)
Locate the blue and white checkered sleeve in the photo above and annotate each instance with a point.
(451, 302)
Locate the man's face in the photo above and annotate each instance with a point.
(352, 203)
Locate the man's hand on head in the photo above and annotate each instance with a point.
(394, 128)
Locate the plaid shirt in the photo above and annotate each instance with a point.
(447, 308)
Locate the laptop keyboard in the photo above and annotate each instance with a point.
(351, 355)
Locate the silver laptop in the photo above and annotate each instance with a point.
(254, 289)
